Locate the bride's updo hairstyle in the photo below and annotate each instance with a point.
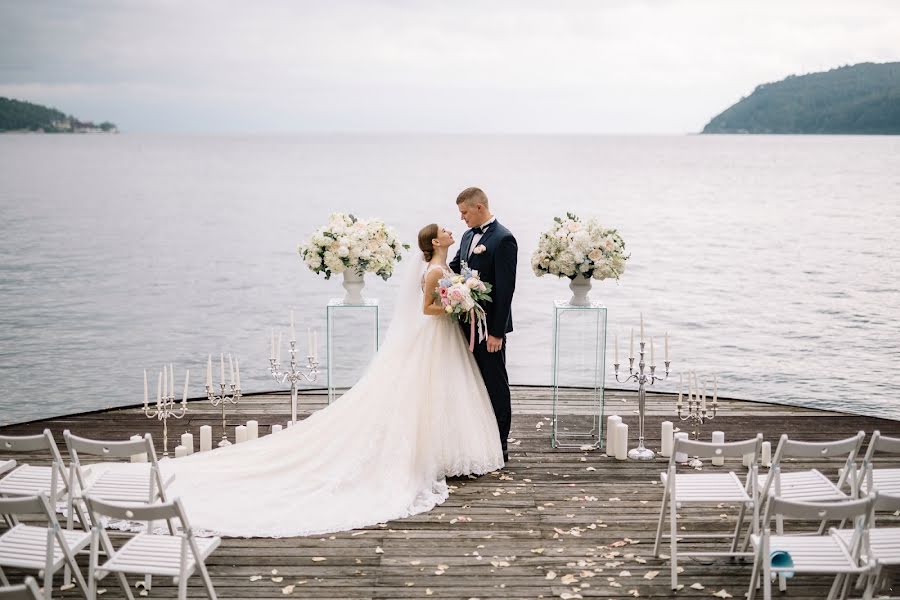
(427, 235)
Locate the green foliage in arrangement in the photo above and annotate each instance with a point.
(857, 99)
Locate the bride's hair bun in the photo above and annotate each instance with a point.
(427, 235)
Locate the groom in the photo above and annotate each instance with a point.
(490, 248)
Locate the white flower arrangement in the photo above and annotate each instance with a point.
(574, 247)
(348, 243)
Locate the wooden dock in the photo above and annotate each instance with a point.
(553, 524)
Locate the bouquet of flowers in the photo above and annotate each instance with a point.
(574, 247)
(462, 297)
(348, 243)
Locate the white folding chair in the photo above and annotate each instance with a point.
(885, 480)
(177, 556)
(809, 485)
(681, 489)
(7, 465)
(140, 483)
(824, 554)
(29, 480)
(27, 590)
(38, 548)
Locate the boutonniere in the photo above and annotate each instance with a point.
(479, 249)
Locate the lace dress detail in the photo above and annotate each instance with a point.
(381, 452)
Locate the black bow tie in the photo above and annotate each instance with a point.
(481, 229)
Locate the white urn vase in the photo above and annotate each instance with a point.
(353, 286)
(581, 288)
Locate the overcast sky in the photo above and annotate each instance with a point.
(601, 66)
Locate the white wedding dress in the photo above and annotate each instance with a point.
(380, 452)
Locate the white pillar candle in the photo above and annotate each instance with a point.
(767, 454)
(187, 440)
(180, 451)
(680, 457)
(748, 460)
(141, 456)
(252, 430)
(667, 440)
(205, 438)
(240, 434)
(612, 422)
(276, 428)
(621, 441)
(290, 423)
(718, 437)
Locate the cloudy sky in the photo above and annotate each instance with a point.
(601, 66)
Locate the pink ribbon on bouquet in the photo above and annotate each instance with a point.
(472, 330)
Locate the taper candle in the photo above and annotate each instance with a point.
(616, 343)
(146, 396)
(278, 349)
(231, 367)
(187, 375)
(159, 388)
(237, 370)
(652, 360)
(315, 345)
(171, 380)
(272, 354)
(209, 382)
(293, 333)
(631, 347)
(642, 327)
(222, 368)
(666, 353)
(309, 341)
(680, 386)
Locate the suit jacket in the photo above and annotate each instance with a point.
(497, 266)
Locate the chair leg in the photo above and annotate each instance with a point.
(182, 588)
(765, 557)
(48, 583)
(779, 527)
(737, 528)
(673, 542)
(754, 578)
(207, 580)
(3, 578)
(659, 525)
(835, 586)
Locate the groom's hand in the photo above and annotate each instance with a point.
(494, 344)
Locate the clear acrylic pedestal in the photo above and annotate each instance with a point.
(579, 369)
(352, 333)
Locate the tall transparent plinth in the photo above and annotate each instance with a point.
(352, 338)
(579, 358)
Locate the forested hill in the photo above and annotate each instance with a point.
(16, 115)
(857, 99)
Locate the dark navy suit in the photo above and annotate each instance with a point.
(495, 265)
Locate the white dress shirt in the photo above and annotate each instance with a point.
(477, 237)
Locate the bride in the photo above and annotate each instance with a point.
(420, 413)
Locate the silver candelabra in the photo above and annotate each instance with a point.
(297, 373)
(223, 399)
(642, 378)
(697, 412)
(165, 402)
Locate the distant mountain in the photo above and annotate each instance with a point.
(857, 99)
(16, 115)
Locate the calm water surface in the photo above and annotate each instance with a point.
(769, 260)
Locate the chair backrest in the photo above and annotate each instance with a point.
(137, 512)
(22, 505)
(26, 591)
(847, 448)
(718, 450)
(820, 511)
(107, 448)
(882, 443)
(887, 502)
(31, 443)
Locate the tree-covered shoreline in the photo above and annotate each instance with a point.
(19, 116)
(862, 99)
